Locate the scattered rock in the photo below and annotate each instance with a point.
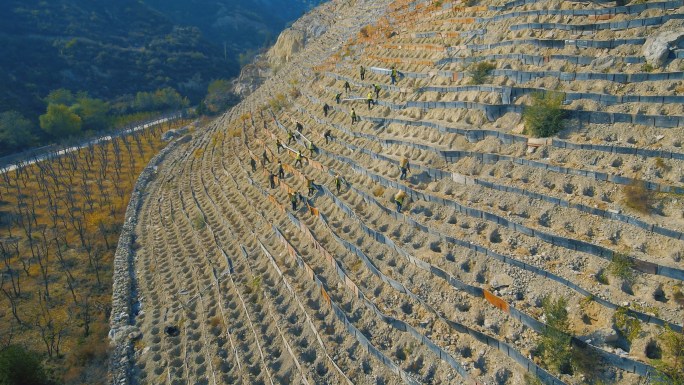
(656, 49)
(500, 281)
(602, 63)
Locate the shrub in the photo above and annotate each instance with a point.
(480, 71)
(544, 117)
(198, 222)
(366, 31)
(531, 379)
(601, 277)
(20, 367)
(660, 163)
(671, 367)
(638, 197)
(235, 133)
(555, 346)
(629, 327)
(278, 102)
(295, 93)
(678, 295)
(647, 67)
(622, 266)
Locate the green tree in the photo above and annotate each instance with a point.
(144, 101)
(60, 121)
(480, 72)
(168, 98)
(21, 367)
(544, 117)
(60, 96)
(15, 131)
(93, 113)
(671, 367)
(219, 95)
(555, 346)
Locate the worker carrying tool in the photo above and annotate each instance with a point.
(293, 199)
(399, 199)
(404, 167)
(281, 171)
(338, 182)
(311, 186)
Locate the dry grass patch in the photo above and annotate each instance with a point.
(637, 197)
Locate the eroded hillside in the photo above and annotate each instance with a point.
(512, 259)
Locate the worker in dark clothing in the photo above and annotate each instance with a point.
(299, 127)
(393, 75)
(271, 179)
(338, 182)
(399, 199)
(404, 167)
(312, 149)
(290, 137)
(278, 145)
(310, 185)
(293, 200)
(327, 135)
(265, 156)
(369, 100)
(326, 107)
(353, 116)
(281, 171)
(347, 87)
(298, 158)
(377, 91)
(362, 72)
(337, 97)
(252, 163)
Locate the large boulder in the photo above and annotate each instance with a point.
(289, 43)
(656, 49)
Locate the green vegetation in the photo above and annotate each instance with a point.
(480, 72)
(637, 197)
(555, 346)
(601, 277)
(671, 366)
(59, 121)
(544, 117)
(21, 367)
(628, 326)
(278, 102)
(622, 266)
(16, 132)
(198, 222)
(219, 97)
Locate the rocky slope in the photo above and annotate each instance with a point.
(238, 286)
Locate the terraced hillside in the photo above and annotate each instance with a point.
(513, 259)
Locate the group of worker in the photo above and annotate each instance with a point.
(399, 198)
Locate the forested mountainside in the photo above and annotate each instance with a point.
(110, 49)
(243, 25)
